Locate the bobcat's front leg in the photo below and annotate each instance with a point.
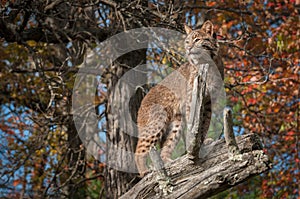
(172, 138)
(140, 160)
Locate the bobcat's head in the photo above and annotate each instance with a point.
(201, 41)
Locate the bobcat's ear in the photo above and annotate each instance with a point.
(208, 27)
(187, 29)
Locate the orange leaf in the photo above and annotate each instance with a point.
(211, 4)
(16, 182)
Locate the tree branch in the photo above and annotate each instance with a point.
(219, 8)
(233, 148)
(9, 32)
(215, 172)
(109, 3)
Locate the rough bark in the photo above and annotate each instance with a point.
(121, 133)
(214, 172)
(196, 116)
(118, 138)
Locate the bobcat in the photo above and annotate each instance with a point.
(166, 108)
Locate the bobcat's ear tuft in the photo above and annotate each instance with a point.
(208, 27)
(187, 29)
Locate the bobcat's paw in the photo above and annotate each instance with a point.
(144, 173)
(166, 160)
(208, 141)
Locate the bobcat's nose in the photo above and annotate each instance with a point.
(188, 49)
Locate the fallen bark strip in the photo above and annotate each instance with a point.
(213, 173)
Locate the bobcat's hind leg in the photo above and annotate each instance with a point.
(149, 135)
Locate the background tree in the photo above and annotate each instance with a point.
(42, 44)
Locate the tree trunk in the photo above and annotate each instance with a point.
(121, 135)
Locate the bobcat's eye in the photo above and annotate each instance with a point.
(196, 40)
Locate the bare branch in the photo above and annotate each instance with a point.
(215, 173)
(219, 8)
(228, 133)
